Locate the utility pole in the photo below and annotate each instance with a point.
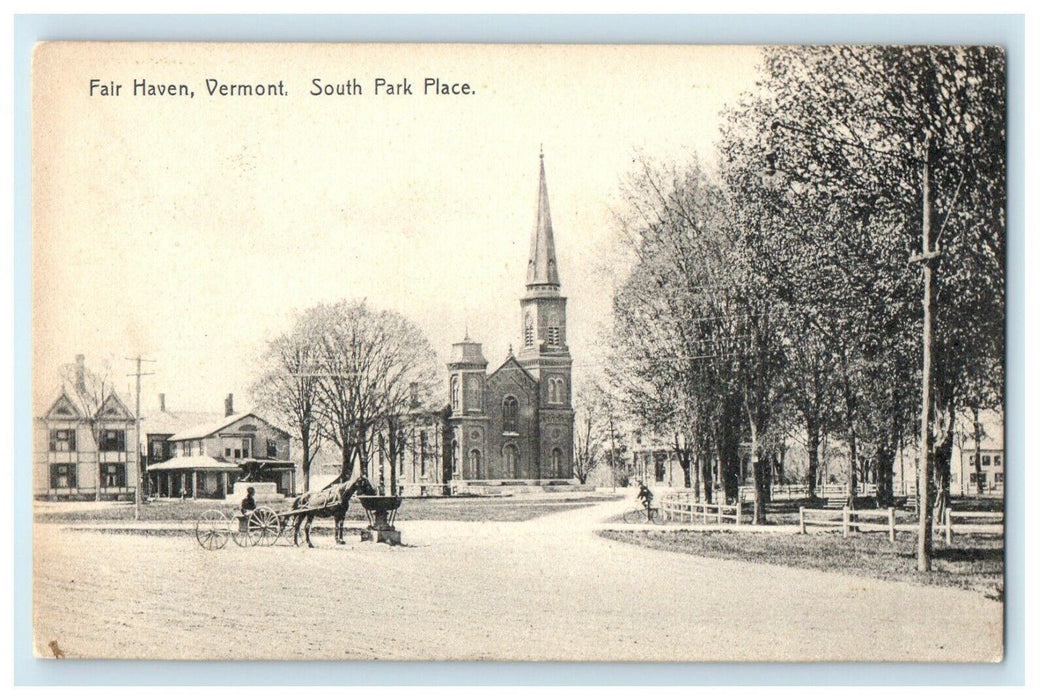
(138, 374)
(928, 259)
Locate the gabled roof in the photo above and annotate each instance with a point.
(114, 408)
(511, 360)
(208, 429)
(63, 408)
(171, 422)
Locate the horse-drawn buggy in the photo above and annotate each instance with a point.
(264, 526)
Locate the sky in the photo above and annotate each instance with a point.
(190, 229)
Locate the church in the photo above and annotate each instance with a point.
(516, 423)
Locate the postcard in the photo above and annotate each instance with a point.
(518, 352)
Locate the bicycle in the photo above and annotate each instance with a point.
(644, 514)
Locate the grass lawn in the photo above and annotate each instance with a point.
(461, 509)
(972, 562)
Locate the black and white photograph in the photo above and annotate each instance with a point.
(518, 352)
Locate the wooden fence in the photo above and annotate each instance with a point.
(885, 520)
(833, 492)
(680, 508)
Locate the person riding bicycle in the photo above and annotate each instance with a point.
(645, 495)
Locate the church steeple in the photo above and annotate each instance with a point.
(542, 273)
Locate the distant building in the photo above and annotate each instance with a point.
(83, 457)
(204, 460)
(515, 425)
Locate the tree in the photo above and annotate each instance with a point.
(850, 128)
(370, 366)
(288, 386)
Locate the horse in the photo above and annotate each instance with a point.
(331, 502)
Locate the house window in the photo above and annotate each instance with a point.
(156, 450)
(986, 460)
(998, 478)
(973, 460)
(474, 461)
(557, 461)
(112, 475)
(553, 335)
(63, 476)
(112, 441)
(228, 452)
(246, 448)
(510, 415)
(998, 460)
(63, 440)
(455, 394)
(270, 449)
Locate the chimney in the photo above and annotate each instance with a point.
(81, 383)
(163, 403)
(228, 406)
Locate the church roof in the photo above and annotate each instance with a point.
(511, 361)
(468, 352)
(541, 269)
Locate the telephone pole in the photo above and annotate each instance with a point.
(928, 259)
(138, 374)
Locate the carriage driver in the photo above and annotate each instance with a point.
(248, 504)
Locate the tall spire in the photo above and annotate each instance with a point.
(541, 269)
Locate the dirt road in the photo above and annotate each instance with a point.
(545, 589)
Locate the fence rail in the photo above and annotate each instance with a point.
(684, 509)
(885, 520)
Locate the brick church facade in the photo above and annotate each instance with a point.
(516, 423)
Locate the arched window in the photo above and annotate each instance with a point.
(511, 456)
(474, 462)
(473, 398)
(553, 335)
(557, 461)
(528, 330)
(454, 457)
(555, 390)
(455, 394)
(510, 415)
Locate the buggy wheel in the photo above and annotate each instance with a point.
(635, 516)
(212, 530)
(263, 527)
(238, 527)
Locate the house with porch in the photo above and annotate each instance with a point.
(207, 459)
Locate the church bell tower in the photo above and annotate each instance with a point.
(544, 351)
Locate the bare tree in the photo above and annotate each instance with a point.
(288, 387)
